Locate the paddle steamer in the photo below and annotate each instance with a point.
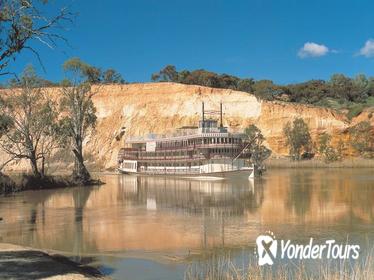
(208, 150)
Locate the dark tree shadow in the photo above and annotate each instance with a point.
(27, 265)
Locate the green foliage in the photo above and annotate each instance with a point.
(78, 110)
(65, 83)
(298, 138)
(339, 93)
(23, 21)
(203, 78)
(79, 71)
(259, 153)
(19, 83)
(28, 123)
(310, 92)
(5, 123)
(168, 74)
(111, 76)
(362, 139)
(323, 141)
(245, 85)
(326, 150)
(267, 90)
(355, 110)
(79, 117)
(370, 101)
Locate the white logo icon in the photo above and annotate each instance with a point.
(266, 248)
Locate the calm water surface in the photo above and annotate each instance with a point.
(153, 227)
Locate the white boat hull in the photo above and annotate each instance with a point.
(248, 172)
(218, 168)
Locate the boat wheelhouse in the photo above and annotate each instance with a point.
(204, 151)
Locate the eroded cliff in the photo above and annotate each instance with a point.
(139, 109)
(161, 107)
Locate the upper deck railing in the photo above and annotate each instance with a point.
(184, 133)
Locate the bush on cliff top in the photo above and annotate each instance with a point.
(339, 92)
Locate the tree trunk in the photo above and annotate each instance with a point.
(34, 165)
(43, 166)
(80, 172)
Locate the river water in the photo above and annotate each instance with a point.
(154, 227)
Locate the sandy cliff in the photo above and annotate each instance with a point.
(161, 107)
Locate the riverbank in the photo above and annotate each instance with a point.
(17, 262)
(24, 182)
(274, 163)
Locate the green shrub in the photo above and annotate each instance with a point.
(328, 153)
(298, 138)
(370, 101)
(362, 139)
(355, 110)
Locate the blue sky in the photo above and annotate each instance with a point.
(286, 41)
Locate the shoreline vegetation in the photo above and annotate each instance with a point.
(13, 182)
(42, 265)
(280, 163)
(25, 182)
(224, 268)
(33, 127)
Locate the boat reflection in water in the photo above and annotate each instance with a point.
(132, 213)
(157, 216)
(187, 214)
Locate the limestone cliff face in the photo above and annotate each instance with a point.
(161, 107)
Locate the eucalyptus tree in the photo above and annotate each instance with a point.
(259, 152)
(298, 138)
(111, 76)
(28, 123)
(24, 21)
(79, 114)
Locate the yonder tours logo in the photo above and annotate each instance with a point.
(268, 249)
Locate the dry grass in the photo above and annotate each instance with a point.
(223, 268)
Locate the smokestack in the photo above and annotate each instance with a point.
(221, 114)
(202, 112)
